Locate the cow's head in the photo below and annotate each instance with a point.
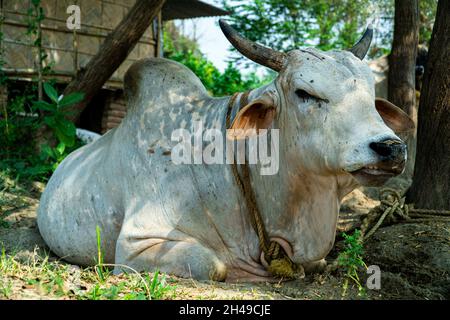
(325, 107)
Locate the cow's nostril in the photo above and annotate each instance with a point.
(389, 149)
(383, 149)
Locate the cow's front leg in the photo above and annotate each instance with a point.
(183, 258)
(315, 266)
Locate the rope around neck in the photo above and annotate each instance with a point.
(280, 265)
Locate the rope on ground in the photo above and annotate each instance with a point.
(393, 209)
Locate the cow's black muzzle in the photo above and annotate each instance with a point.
(390, 150)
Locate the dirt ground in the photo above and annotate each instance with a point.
(414, 259)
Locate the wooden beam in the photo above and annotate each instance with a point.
(113, 52)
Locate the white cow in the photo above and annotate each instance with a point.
(193, 220)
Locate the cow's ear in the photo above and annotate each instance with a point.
(257, 115)
(394, 117)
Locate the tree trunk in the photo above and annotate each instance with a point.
(402, 63)
(113, 52)
(431, 183)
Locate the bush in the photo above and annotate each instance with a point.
(22, 118)
(184, 50)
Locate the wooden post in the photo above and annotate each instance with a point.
(75, 52)
(159, 36)
(40, 54)
(402, 63)
(431, 182)
(113, 52)
(3, 89)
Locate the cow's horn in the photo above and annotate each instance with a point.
(362, 46)
(256, 52)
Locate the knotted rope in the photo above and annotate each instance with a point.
(280, 265)
(393, 209)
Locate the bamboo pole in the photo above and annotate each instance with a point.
(40, 61)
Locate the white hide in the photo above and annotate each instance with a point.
(87, 136)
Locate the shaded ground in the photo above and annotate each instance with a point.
(414, 260)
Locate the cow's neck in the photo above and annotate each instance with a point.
(300, 208)
(240, 99)
(296, 205)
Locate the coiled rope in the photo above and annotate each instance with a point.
(393, 209)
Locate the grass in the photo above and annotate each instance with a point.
(38, 276)
(351, 260)
(150, 288)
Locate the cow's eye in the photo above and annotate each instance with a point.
(305, 96)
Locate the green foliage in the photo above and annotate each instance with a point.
(100, 269)
(427, 15)
(57, 279)
(184, 50)
(158, 285)
(55, 115)
(35, 16)
(285, 25)
(23, 117)
(150, 287)
(351, 260)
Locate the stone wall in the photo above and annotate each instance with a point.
(115, 110)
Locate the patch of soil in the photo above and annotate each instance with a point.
(21, 234)
(354, 208)
(414, 260)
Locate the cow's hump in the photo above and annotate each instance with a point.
(163, 78)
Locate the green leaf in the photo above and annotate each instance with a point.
(64, 129)
(47, 151)
(70, 99)
(63, 138)
(66, 126)
(45, 106)
(51, 92)
(51, 122)
(61, 148)
(67, 112)
(55, 166)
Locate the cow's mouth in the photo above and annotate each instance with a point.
(375, 171)
(375, 175)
